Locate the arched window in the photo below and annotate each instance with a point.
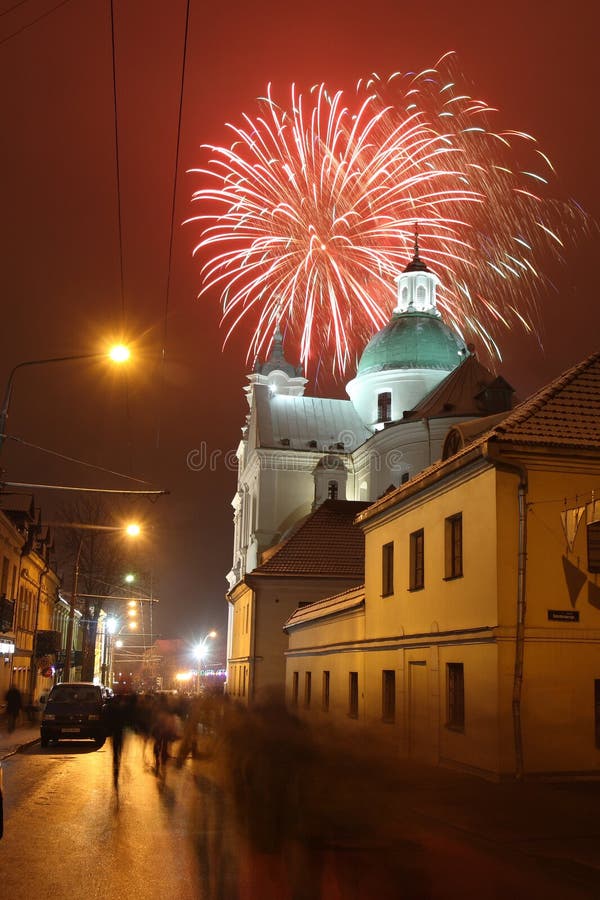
(332, 490)
(384, 407)
(421, 293)
(404, 294)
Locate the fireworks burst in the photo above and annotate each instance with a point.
(310, 213)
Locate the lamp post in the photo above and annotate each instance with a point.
(131, 530)
(199, 652)
(118, 354)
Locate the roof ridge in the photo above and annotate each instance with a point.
(541, 397)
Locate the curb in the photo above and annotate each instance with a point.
(19, 747)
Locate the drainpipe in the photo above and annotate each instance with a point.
(521, 471)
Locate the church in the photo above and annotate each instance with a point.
(304, 461)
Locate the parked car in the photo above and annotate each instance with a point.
(74, 710)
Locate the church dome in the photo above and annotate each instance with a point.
(413, 340)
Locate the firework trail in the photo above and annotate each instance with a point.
(310, 214)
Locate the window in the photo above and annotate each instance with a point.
(453, 540)
(4, 579)
(307, 688)
(417, 560)
(387, 569)
(455, 696)
(332, 490)
(384, 406)
(325, 697)
(405, 477)
(244, 676)
(295, 681)
(353, 696)
(388, 695)
(593, 546)
(597, 711)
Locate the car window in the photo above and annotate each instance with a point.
(70, 693)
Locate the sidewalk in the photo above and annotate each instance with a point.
(21, 736)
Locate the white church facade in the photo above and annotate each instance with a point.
(415, 379)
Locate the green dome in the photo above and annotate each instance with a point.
(413, 340)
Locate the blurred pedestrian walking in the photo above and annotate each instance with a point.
(14, 705)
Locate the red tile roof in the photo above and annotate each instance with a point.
(326, 543)
(563, 415)
(566, 413)
(462, 393)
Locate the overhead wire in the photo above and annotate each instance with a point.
(81, 462)
(172, 228)
(34, 22)
(120, 225)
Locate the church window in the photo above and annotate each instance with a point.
(454, 546)
(332, 490)
(417, 560)
(404, 294)
(387, 569)
(384, 406)
(421, 292)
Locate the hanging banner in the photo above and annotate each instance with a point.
(570, 522)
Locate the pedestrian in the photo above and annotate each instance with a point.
(14, 705)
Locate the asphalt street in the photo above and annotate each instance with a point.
(430, 835)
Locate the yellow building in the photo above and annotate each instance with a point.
(324, 553)
(29, 588)
(476, 640)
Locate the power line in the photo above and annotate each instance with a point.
(72, 459)
(34, 22)
(172, 230)
(14, 6)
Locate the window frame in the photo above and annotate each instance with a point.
(455, 696)
(307, 689)
(388, 696)
(295, 687)
(387, 569)
(325, 690)
(454, 547)
(384, 406)
(417, 560)
(353, 695)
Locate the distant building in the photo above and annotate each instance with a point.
(415, 378)
(475, 641)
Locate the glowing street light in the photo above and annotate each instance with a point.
(130, 578)
(117, 354)
(133, 529)
(200, 652)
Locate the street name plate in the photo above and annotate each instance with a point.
(563, 615)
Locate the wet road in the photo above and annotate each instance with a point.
(67, 835)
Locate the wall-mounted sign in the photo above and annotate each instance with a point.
(7, 647)
(563, 615)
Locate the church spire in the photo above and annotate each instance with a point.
(417, 285)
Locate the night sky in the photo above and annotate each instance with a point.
(60, 266)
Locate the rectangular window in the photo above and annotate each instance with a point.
(4, 578)
(384, 406)
(455, 696)
(597, 711)
(388, 695)
(325, 697)
(353, 696)
(295, 683)
(244, 675)
(13, 584)
(387, 569)
(453, 541)
(307, 688)
(593, 546)
(417, 560)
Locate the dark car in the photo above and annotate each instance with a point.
(74, 710)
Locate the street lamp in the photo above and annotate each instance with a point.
(118, 354)
(199, 653)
